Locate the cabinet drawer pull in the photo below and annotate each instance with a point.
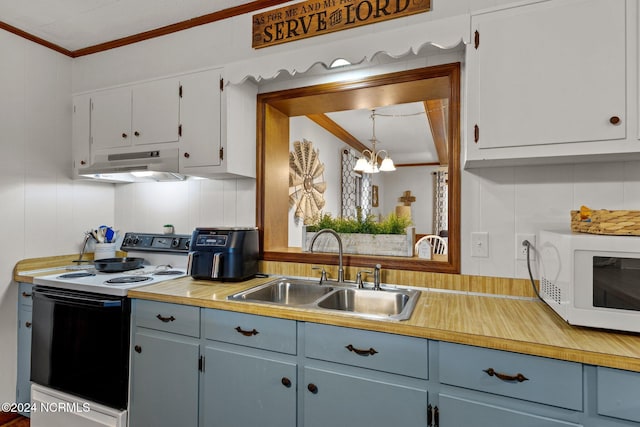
(138, 349)
(246, 333)
(361, 352)
(286, 382)
(186, 155)
(165, 319)
(27, 324)
(312, 388)
(614, 120)
(26, 295)
(136, 133)
(124, 135)
(505, 377)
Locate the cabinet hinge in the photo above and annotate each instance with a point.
(180, 91)
(476, 133)
(221, 153)
(476, 39)
(221, 84)
(201, 364)
(179, 130)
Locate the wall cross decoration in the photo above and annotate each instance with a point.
(407, 198)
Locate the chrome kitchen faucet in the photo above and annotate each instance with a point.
(328, 230)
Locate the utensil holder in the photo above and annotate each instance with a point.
(104, 250)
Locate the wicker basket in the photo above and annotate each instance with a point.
(624, 223)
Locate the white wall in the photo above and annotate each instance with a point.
(146, 207)
(510, 200)
(42, 211)
(329, 152)
(419, 181)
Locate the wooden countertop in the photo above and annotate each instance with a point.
(512, 324)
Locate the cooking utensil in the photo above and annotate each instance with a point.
(113, 265)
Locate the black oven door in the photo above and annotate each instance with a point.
(80, 344)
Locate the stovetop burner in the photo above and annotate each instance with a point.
(168, 273)
(76, 275)
(128, 279)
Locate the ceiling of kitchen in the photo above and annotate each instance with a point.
(80, 24)
(77, 24)
(403, 130)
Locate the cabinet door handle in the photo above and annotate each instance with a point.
(506, 377)
(136, 133)
(138, 349)
(286, 382)
(614, 120)
(165, 319)
(27, 324)
(476, 133)
(26, 295)
(312, 388)
(124, 135)
(246, 333)
(186, 155)
(361, 352)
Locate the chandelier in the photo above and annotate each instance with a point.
(373, 161)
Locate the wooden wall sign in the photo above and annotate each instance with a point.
(316, 17)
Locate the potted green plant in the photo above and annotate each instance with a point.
(391, 236)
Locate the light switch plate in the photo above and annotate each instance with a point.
(480, 244)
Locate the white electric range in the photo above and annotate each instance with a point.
(81, 333)
(165, 258)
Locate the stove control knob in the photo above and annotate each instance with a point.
(187, 244)
(126, 241)
(175, 243)
(135, 241)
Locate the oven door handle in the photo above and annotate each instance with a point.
(85, 300)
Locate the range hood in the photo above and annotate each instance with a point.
(140, 166)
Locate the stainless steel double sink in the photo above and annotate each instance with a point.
(388, 303)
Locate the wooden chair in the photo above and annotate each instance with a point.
(438, 244)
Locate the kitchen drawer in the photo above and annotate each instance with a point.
(24, 294)
(174, 318)
(618, 394)
(367, 349)
(542, 380)
(250, 330)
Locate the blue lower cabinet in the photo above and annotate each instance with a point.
(456, 412)
(23, 384)
(355, 399)
(618, 394)
(164, 380)
(248, 387)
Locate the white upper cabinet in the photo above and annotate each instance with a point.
(550, 80)
(218, 126)
(208, 129)
(200, 144)
(81, 133)
(148, 113)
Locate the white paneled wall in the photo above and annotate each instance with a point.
(511, 200)
(146, 207)
(42, 211)
(329, 150)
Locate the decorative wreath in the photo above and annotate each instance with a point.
(306, 181)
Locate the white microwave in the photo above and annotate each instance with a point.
(591, 280)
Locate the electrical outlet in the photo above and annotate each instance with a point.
(480, 244)
(521, 250)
